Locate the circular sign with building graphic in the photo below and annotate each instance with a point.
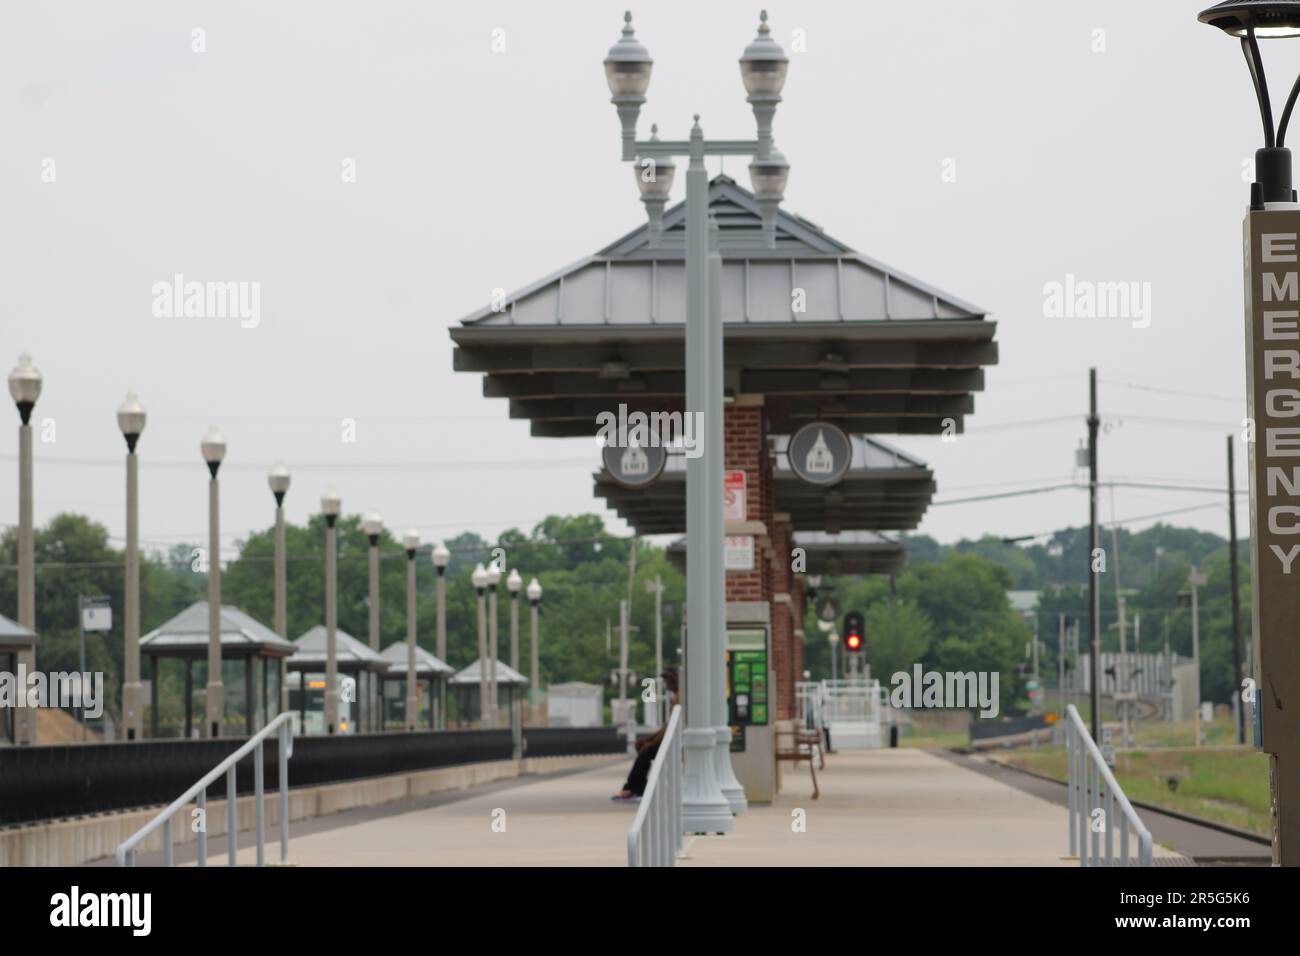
(820, 453)
(633, 466)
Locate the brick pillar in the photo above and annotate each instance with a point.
(745, 450)
(784, 659)
(771, 582)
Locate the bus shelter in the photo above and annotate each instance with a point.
(252, 656)
(509, 690)
(431, 675)
(17, 643)
(360, 673)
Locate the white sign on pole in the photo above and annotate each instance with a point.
(97, 616)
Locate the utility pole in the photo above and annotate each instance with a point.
(1137, 657)
(1236, 598)
(1060, 663)
(1094, 591)
(1120, 683)
(1196, 581)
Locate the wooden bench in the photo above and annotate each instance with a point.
(795, 743)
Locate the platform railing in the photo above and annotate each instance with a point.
(281, 725)
(1088, 771)
(655, 837)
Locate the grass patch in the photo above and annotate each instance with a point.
(936, 740)
(1228, 785)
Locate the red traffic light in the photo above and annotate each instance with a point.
(855, 628)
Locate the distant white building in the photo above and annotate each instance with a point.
(575, 704)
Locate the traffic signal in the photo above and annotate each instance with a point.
(855, 632)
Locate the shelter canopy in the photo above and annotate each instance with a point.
(849, 552)
(885, 489)
(187, 633)
(820, 330)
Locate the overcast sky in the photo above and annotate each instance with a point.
(1112, 156)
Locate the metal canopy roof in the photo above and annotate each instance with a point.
(14, 635)
(310, 648)
(505, 675)
(850, 552)
(425, 663)
(873, 349)
(884, 489)
(187, 633)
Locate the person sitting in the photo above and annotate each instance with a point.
(634, 787)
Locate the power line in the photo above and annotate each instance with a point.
(1174, 391)
(320, 466)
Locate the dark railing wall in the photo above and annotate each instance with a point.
(50, 782)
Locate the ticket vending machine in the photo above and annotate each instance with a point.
(749, 712)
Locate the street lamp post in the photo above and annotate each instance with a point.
(1271, 242)
(213, 447)
(479, 579)
(727, 782)
(763, 69)
(440, 557)
(131, 419)
(513, 583)
(373, 525)
(25, 387)
(493, 579)
(278, 479)
(535, 600)
(411, 542)
(330, 505)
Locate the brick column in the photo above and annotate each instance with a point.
(745, 450)
(771, 582)
(784, 660)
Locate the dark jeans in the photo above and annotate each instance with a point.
(636, 780)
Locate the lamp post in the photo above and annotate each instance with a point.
(25, 387)
(330, 506)
(411, 542)
(131, 419)
(213, 447)
(278, 479)
(1272, 238)
(535, 600)
(373, 525)
(440, 557)
(730, 786)
(513, 583)
(763, 69)
(479, 579)
(493, 579)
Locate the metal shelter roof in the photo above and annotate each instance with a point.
(187, 633)
(311, 649)
(849, 552)
(505, 674)
(425, 663)
(873, 349)
(14, 635)
(885, 489)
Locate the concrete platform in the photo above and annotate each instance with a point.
(877, 808)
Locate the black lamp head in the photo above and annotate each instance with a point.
(1270, 18)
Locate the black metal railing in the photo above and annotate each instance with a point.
(58, 781)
